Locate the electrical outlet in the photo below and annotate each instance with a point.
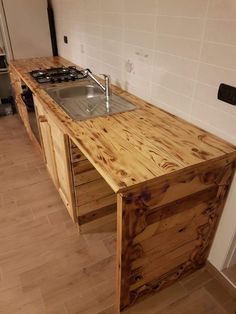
(142, 55)
(227, 93)
(82, 48)
(129, 66)
(65, 39)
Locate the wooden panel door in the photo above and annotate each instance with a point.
(46, 140)
(62, 160)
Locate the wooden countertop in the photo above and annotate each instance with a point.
(133, 147)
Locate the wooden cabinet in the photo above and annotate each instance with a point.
(16, 84)
(56, 153)
(46, 140)
(62, 160)
(20, 106)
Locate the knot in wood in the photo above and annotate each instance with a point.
(129, 198)
(140, 211)
(146, 196)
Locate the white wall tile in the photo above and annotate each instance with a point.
(215, 117)
(112, 6)
(189, 8)
(113, 20)
(222, 9)
(182, 47)
(137, 38)
(180, 26)
(214, 75)
(221, 31)
(171, 98)
(140, 22)
(218, 54)
(176, 65)
(140, 6)
(177, 83)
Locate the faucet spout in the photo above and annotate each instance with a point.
(106, 88)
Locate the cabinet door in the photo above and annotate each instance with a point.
(46, 140)
(62, 158)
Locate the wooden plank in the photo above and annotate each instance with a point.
(167, 216)
(92, 191)
(164, 265)
(101, 225)
(160, 243)
(81, 166)
(64, 175)
(47, 143)
(86, 176)
(170, 239)
(130, 148)
(76, 154)
(96, 204)
(96, 214)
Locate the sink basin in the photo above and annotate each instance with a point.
(87, 101)
(88, 91)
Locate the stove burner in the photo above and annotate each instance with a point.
(57, 75)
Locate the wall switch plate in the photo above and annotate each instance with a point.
(65, 39)
(227, 93)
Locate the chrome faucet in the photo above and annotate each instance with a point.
(106, 88)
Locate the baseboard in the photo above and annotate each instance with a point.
(222, 279)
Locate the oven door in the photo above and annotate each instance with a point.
(27, 97)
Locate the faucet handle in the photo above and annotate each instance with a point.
(106, 76)
(107, 85)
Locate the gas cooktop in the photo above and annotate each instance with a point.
(57, 75)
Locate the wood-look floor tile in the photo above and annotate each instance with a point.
(110, 310)
(159, 301)
(47, 267)
(196, 280)
(231, 273)
(230, 306)
(101, 297)
(197, 302)
(217, 291)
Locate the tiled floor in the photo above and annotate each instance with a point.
(47, 267)
(231, 273)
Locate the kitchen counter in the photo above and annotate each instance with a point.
(132, 147)
(170, 177)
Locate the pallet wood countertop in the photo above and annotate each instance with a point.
(168, 179)
(132, 147)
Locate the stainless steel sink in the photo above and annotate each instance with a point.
(86, 101)
(88, 91)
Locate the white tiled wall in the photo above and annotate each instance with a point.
(1, 40)
(173, 53)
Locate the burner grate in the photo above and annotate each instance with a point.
(57, 75)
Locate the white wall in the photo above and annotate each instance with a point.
(173, 53)
(1, 39)
(28, 27)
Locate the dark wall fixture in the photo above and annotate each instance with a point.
(227, 93)
(52, 28)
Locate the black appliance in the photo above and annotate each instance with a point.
(52, 28)
(27, 98)
(57, 75)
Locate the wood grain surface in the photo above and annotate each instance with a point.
(165, 229)
(171, 180)
(130, 148)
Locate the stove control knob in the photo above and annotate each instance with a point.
(66, 79)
